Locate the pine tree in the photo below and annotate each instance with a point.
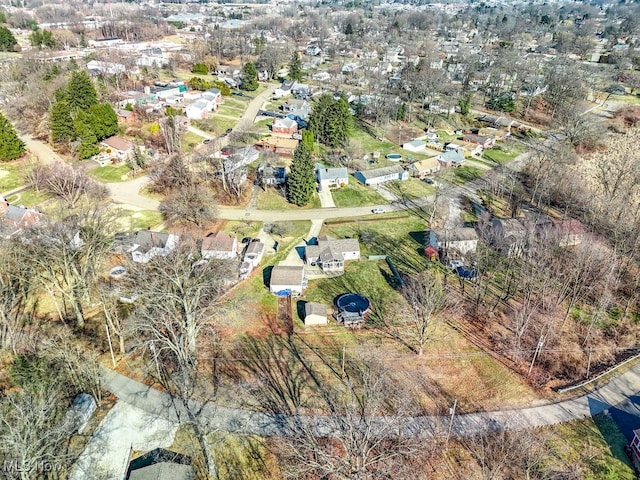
(249, 77)
(331, 120)
(104, 120)
(295, 67)
(88, 140)
(301, 178)
(348, 29)
(61, 122)
(11, 147)
(80, 92)
(7, 41)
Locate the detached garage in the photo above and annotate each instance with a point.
(315, 314)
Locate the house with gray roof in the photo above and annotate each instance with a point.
(331, 177)
(14, 218)
(330, 253)
(464, 240)
(147, 244)
(287, 280)
(377, 176)
(161, 464)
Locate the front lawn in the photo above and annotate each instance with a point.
(272, 199)
(110, 174)
(140, 220)
(29, 197)
(465, 174)
(191, 141)
(411, 189)
(595, 444)
(356, 195)
(499, 155)
(11, 175)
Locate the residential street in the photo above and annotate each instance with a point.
(618, 390)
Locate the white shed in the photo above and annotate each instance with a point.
(315, 314)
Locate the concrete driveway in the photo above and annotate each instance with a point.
(125, 426)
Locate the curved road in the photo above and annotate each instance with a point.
(160, 404)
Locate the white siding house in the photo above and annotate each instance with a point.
(377, 176)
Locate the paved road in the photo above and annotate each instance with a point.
(618, 390)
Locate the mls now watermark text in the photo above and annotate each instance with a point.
(12, 466)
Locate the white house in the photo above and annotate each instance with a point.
(331, 177)
(377, 176)
(110, 68)
(148, 244)
(120, 148)
(287, 280)
(415, 146)
(198, 110)
(321, 76)
(330, 254)
(253, 254)
(284, 89)
(315, 314)
(220, 245)
(313, 50)
(464, 240)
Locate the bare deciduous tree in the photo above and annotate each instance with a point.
(191, 205)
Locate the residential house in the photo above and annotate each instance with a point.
(287, 280)
(274, 176)
(198, 110)
(380, 175)
(284, 126)
(160, 464)
(415, 146)
(451, 158)
(564, 233)
(126, 117)
(509, 236)
(297, 109)
(148, 244)
(121, 148)
(281, 146)
(463, 239)
(241, 157)
(253, 253)
(484, 141)
(108, 68)
(284, 89)
(219, 245)
(467, 148)
(330, 253)
(313, 50)
(331, 177)
(214, 96)
(635, 447)
(14, 218)
(321, 76)
(500, 134)
(301, 90)
(315, 314)
(424, 168)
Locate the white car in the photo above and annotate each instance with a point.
(377, 210)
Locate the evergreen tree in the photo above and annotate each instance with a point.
(61, 122)
(295, 67)
(11, 147)
(348, 29)
(7, 41)
(249, 77)
(331, 120)
(88, 141)
(80, 92)
(301, 179)
(104, 121)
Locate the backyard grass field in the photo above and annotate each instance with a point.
(356, 195)
(111, 174)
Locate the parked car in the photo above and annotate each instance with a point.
(228, 131)
(428, 180)
(377, 210)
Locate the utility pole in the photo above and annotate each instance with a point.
(452, 411)
(113, 358)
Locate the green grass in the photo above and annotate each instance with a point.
(11, 175)
(445, 136)
(411, 189)
(401, 236)
(190, 141)
(242, 228)
(630, 99)
(356, 195)
(499, 156)
(596, 444)
(230, 111)
(272, 199)
(465, 174)
(140, 220)
(29, 198)
(370, 144)
(221, 124)
(109, 174)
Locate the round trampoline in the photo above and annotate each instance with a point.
(353, 303)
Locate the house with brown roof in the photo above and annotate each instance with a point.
(330, 253)
(279, 145)
(424, 168)
(219, 245)
(119, 148)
